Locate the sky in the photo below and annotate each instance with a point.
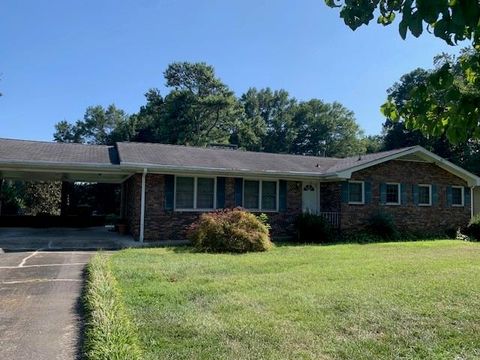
(58, 57)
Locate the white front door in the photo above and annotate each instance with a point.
(310, 198)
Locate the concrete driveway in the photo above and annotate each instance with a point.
(40, 316)
(25, 239)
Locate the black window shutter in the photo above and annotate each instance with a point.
(238, 192)
(466, 192)
(344, 192)
(220, 192)
(282, 194)
(403, 194)
(415, 194)
(169, 191)
(368, 192)
(434, 195)
(449, 196)
(383, 194)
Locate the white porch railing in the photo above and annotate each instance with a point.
(332, 217)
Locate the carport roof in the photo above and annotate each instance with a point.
(24, 151)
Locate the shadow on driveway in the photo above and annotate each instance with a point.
(31, 239)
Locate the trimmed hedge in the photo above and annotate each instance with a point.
(313, 228)
(473, 228)
(230, 230)
(382, 225)
(109, 333)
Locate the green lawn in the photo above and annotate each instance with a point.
(394, 300)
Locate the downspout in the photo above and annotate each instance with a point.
(472, 202)
(142, 207)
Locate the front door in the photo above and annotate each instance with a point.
(310, 198)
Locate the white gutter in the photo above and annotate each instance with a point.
(472, 202)
(142, 207)
(161, 169)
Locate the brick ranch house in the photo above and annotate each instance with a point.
(166, 187)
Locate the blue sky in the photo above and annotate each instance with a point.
(57, 57)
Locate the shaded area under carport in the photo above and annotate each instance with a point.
(51, 239)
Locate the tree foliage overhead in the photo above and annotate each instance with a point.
(450, 20)
(447, 100)
(396, 134)
(200, 109)
(443, 101)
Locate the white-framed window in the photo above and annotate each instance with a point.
(356, 192)
(260, 195)
(458, 196)
(392, 193)
(195, 193)
(424, 195)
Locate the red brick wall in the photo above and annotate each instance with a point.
(171, 225)
(282, 222)
(330, 197)
(133, 187)
(408, 217)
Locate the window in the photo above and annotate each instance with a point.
(269, 195)
(194, 193)
(184, 192)
(425, 195)
(356, 192)
(251, 194)
(260, 195)
(205, 193)
(393, 194)
(457, 195)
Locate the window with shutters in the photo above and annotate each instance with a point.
(356, 192)
(457, 196)
(424, 195)
(392, 194)
(194, 193)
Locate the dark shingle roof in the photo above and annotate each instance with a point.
(133, 154)
(18, 151)
(353, 161)
(221, 159)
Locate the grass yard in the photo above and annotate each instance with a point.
(394, 300)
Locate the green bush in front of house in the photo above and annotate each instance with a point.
(231, 230)
(312, 228)
(473, 228)
(382, 225)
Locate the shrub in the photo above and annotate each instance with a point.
(382, 225)
(314, 228)
(231, 230)
(264, 220)
(473, 228)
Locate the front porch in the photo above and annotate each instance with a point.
(323, 199)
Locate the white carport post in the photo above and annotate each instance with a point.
(142, 207)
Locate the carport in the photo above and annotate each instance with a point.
(57, 162)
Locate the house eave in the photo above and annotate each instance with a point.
(54, 171)
(174, 169)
